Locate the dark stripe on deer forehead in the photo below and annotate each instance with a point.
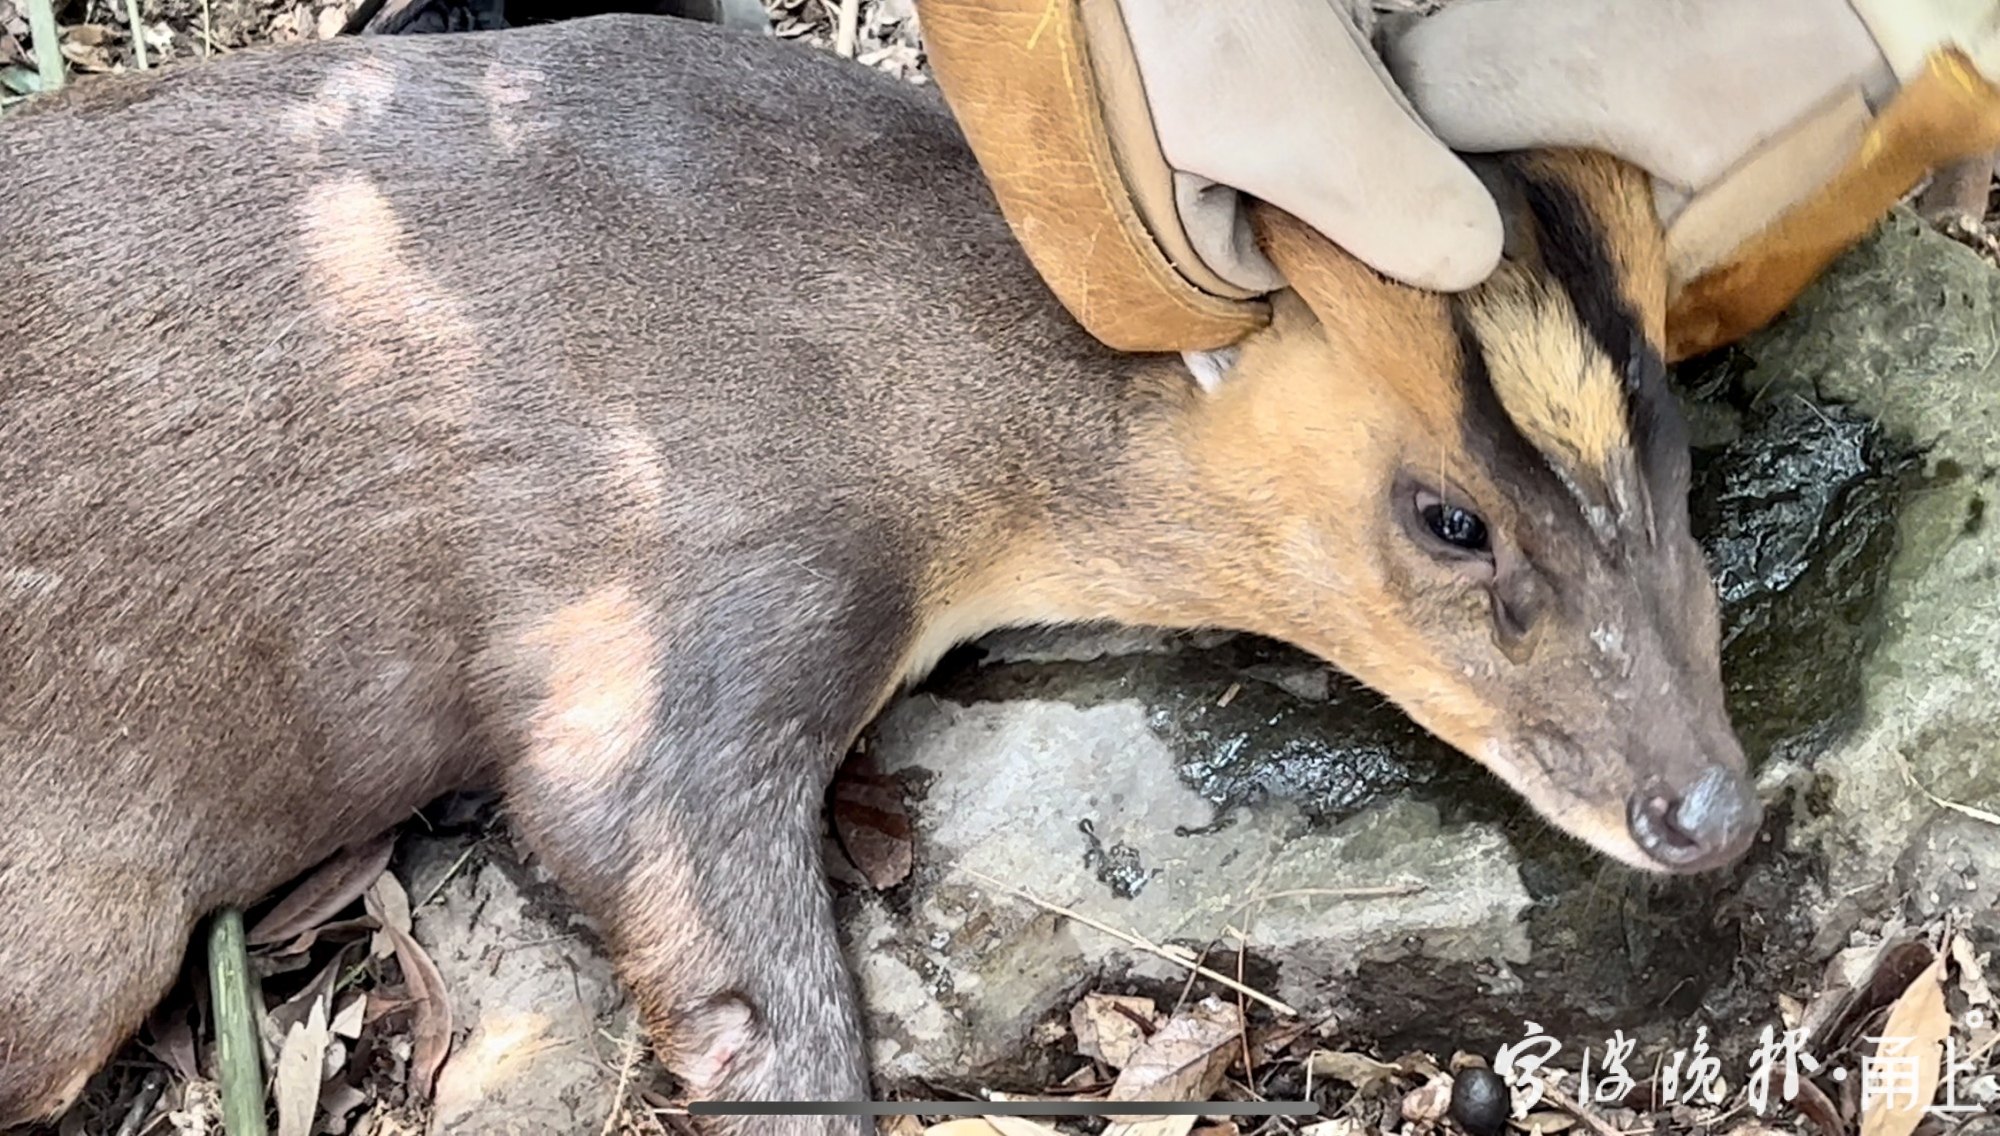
(1495, 441)
(1577, 255)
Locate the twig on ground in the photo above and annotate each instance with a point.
(447, 877)
(141, 1109)
(1130, 939)
(628, 1061)
(1591, 1120)
(1243, 1015)
(48, 44)
(1973, 811)
(239, 1062)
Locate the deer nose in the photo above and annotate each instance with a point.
(1708, 824)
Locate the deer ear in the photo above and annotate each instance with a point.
(1348, 296)
(1383, 327)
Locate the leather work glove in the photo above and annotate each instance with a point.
(1121, 136)
(1778, 132)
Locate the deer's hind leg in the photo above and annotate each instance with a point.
(685, 818)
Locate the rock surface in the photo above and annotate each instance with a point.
(537, 1012)
(1084, 807)
(1909, 331)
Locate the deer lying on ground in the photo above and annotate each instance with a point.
(638, 490)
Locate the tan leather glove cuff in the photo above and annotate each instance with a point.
(1725, 288)
(1021, 81)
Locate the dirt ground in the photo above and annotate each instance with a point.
(357, 964)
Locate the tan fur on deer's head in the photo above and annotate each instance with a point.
(1477, 505)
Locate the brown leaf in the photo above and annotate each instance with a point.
(319, 897)
(389, 904)
(1108, 1029)
(1813, 1104)
(172, 1041)
(299, 1007)
(1428, 1102)
(430, 1024)
(350, 930)
(1020, 1126)
(1186, 1059)
(1154, 1126)
(87, 58)
(871, 823)
(296, 1081)
(348, 1018)
(332, 20)
(1971, 975)
(336, 1100)
(1356, 1069)
(1917, 1027)
(1859, 990)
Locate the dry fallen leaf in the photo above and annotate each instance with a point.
(299, 1007)
(1155, 1126)
(1428, 1102)
(1356, 1069)
(349, 930)
(1338, 1126)
(1107, 1027)
(1916, 1028)
(347, 1020)
(319, 897)
(430, 1010)
(1185, 1059)
(338, 1099)
(1020, 1126)
(389, 904)
(301, 1065)
(172, 1040)
(1971, 973)
(1813, 1104)
(871, 823)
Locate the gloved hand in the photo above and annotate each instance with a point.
(1117, 133)
(1777, 131)
(1285, 100)
(1119, 136)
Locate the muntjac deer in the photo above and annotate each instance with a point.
(637, 481)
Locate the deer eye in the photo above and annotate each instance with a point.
(1455, 526)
